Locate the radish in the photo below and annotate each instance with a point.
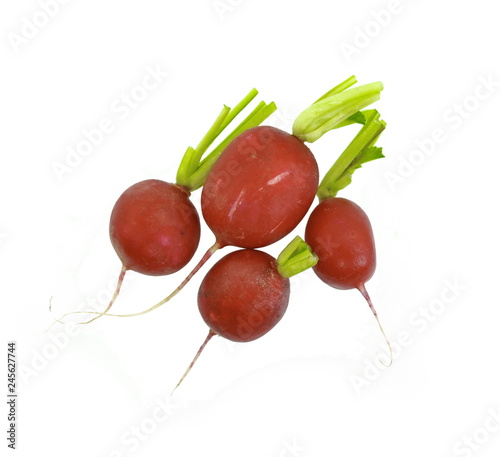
(260, 188)
(338, 230)
(266, 179)
(246, 293)
(154, 228)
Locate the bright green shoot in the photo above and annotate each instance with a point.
(194, 169)
(338, 107)
(360, 150)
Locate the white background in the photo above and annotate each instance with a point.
(313, 386)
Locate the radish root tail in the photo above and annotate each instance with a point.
(363, 291)
(202, 261)
(207, 339)
(99, 314)
(113, 298)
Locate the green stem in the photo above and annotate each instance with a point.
(360, 150)
(208, 139)
(255, 118)
(339, 88)
(192, 170)
(334, 108)
(296, 258)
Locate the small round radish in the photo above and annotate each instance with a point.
(246, 293)
(154, 228)
(243, 296)
(338, 230)
(340, 234)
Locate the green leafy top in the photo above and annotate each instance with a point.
(193, 171)
(360, 150)
(295, 258)
(340, 106)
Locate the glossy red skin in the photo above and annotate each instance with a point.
(154, 228)
(260, 188)
(243, 296)
(340, 234)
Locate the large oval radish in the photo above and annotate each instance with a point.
(260, 188)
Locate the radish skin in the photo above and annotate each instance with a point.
(260, 188)
(154, 228)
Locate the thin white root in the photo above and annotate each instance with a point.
(113, 298)
(207, 255)
(363, 291)
(207, 339)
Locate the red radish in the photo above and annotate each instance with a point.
(243, 296)
(338, 230)
(154, 227)
(340, 234)
(260, 188)
(246, 293)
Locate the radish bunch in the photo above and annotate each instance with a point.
(258, 185)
